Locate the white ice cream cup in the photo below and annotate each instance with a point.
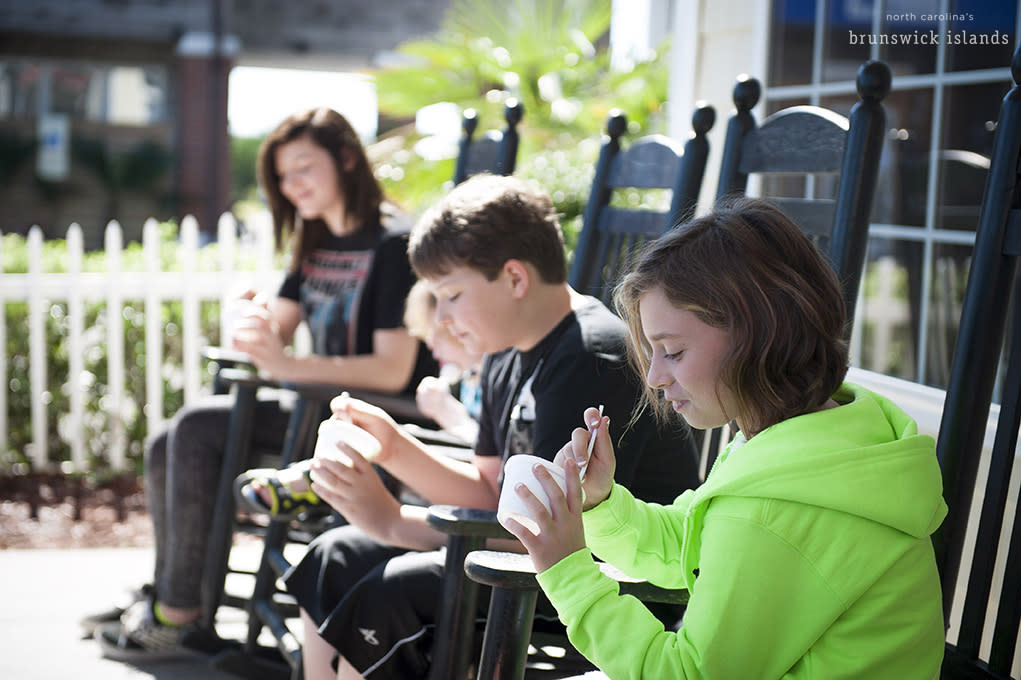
(333, 431)
(237, 315)
(518, 470)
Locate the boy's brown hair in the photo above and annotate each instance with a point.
(747, 268)
(485, 221)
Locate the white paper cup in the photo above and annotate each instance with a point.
(236, 316)
(334, 431)
(518, 470)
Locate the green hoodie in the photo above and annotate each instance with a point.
(806, 553)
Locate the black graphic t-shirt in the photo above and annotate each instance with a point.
(331, 285)
(351, 286)
(532, 401)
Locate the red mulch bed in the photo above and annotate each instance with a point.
(56, 511)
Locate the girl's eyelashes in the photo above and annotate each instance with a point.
(673, 356)
(453, 298)
(293, 172)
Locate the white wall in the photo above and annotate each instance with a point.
(712, 43)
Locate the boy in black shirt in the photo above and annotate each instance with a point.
(492, 253)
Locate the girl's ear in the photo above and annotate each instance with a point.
(519, 277)
(348, 159)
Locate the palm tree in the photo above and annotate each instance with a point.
(553, 55)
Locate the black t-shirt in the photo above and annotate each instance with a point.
(351, 286)
(531, 401)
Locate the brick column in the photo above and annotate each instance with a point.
(202, 140)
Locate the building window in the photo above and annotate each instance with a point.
(19, 88)
(950, 62)
(104, 93)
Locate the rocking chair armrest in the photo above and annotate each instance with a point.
(454, 520)
(514, 571)
(401, 407)
(225, 356)
(245, 377)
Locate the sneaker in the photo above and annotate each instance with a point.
(90, 622)
(138, 636)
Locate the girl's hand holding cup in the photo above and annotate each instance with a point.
(540, 503)
(242, 318)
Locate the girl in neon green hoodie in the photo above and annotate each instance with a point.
(807, 550)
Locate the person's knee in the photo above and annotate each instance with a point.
(200, 415)
(199, 430)
(383, 622)
(404, 578)
(156, 450)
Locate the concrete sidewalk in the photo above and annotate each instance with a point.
(43, 594)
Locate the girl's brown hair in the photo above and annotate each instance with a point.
(747, 268)
(361, 191)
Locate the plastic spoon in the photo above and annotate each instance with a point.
(591, 444)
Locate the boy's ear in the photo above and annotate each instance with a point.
(518, 276)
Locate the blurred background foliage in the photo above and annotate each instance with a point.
(140, 168)
(554, 58)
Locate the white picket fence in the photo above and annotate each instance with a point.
(114, 286)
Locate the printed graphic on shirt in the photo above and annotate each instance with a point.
(471, 394)
(370, 636)
(522, 419)
(331, 290)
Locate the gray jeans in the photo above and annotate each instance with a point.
(182, 473)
